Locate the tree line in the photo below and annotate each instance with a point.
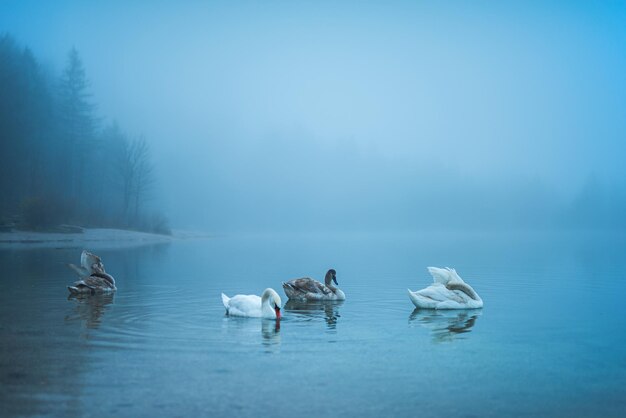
(58, 163)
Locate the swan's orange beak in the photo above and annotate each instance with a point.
(277, 310)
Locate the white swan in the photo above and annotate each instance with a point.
(309, 289)
(266, 306)
(448, 291)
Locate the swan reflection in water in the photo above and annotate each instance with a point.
(328, 309)
(271, 332)
(246, 331)
(445, 325)
(89, 309)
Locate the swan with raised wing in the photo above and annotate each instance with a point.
(310, 289)
(448, 291)
(93, 278)
(265, 306)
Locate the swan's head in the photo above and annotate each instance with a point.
(91, 262)
(98, 268)
(331, 275)
(273, 299)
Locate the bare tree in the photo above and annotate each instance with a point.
(144, 173)
(136, 173)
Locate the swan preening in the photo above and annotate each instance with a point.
(448, 291)
(265, 306)
(309, 289)
(93, 277)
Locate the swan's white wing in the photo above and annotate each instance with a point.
(433, 296)
(245, 305)
(437, 292)
(444, 276)
(448, 291)
(438, 296)
(440, 275)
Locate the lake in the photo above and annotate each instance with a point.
(550, 341)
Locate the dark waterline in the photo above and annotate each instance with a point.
(549, 342)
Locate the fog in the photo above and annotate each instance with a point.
(298, 116)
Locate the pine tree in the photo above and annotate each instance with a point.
(77, 126)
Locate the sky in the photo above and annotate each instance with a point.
(325, 115)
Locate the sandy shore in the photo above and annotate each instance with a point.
(90, 238)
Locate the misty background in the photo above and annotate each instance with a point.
(278, 116)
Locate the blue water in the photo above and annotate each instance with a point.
(550, 341)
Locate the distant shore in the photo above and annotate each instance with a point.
(90, 238)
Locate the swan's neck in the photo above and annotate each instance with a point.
(266, 308)
(106, 277)
(463, 287)
(328, 281)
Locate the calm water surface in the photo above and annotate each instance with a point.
(551, 340)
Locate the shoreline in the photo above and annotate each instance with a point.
(90, 237)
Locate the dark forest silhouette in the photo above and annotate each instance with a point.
(58, 165)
